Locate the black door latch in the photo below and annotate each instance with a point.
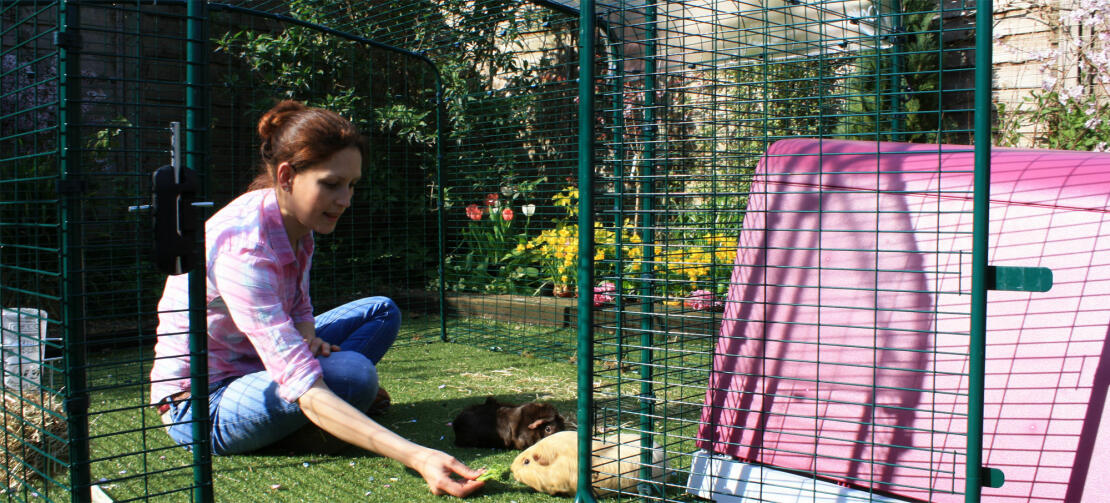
(173, 202)
(175, 219)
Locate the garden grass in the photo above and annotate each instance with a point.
(429, 383)
(132, 457)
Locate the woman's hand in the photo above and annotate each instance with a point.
(341, 419)
(437, 469)
(320, 347)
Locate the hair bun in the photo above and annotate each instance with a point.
(278, 116)
(302, 136)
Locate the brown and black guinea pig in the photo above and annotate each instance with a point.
(503, 425)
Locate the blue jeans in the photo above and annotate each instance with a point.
(247, 413)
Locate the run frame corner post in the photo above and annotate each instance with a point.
(587, 51)
(74, 347)
(975, 470)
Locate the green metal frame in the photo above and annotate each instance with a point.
(195, 158)
(977, 476)
(984, 277)
(587, 40)
(73, 338)
(975, 479)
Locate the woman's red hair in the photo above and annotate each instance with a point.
(302, 136)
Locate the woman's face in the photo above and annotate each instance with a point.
(313, 199)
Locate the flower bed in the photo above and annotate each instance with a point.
(499, 254)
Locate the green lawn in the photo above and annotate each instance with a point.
(429, 382)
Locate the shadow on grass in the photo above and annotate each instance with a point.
(426, 422)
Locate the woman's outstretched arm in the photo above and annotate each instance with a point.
(336, 416)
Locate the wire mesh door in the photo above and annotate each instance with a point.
(103, 83)
(85, 122)
(135, 73)
(386, 246)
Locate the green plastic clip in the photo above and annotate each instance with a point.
(993, 477)
(1019, 279)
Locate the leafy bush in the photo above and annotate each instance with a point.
(491, 107)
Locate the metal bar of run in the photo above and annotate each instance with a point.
(196, 128)
(325, 29)
(586, 52)
(215, 6)
(898, 63)
(979, 251)
(647, 320)
(441, 209)
(73, 317)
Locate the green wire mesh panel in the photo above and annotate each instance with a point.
(511, 210)
(508, 69)
(384, 246)
(127, 75)
(75, 260)
(35, 443)
(128, 66)
(691, 97)
(386, 243)
(128, 82)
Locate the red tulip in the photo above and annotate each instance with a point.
(474, 212)
(491, 199)
(507, 214)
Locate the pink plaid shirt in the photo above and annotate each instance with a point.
(257, 290)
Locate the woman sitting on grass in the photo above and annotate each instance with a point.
(273, 367)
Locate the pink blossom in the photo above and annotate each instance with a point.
(703, 300)
(1048, 83)
(605, 287)
(474, 212)
(601, 292)
(1071, 93)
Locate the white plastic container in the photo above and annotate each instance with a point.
(24, 329)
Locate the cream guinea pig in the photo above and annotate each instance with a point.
(551, 465)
